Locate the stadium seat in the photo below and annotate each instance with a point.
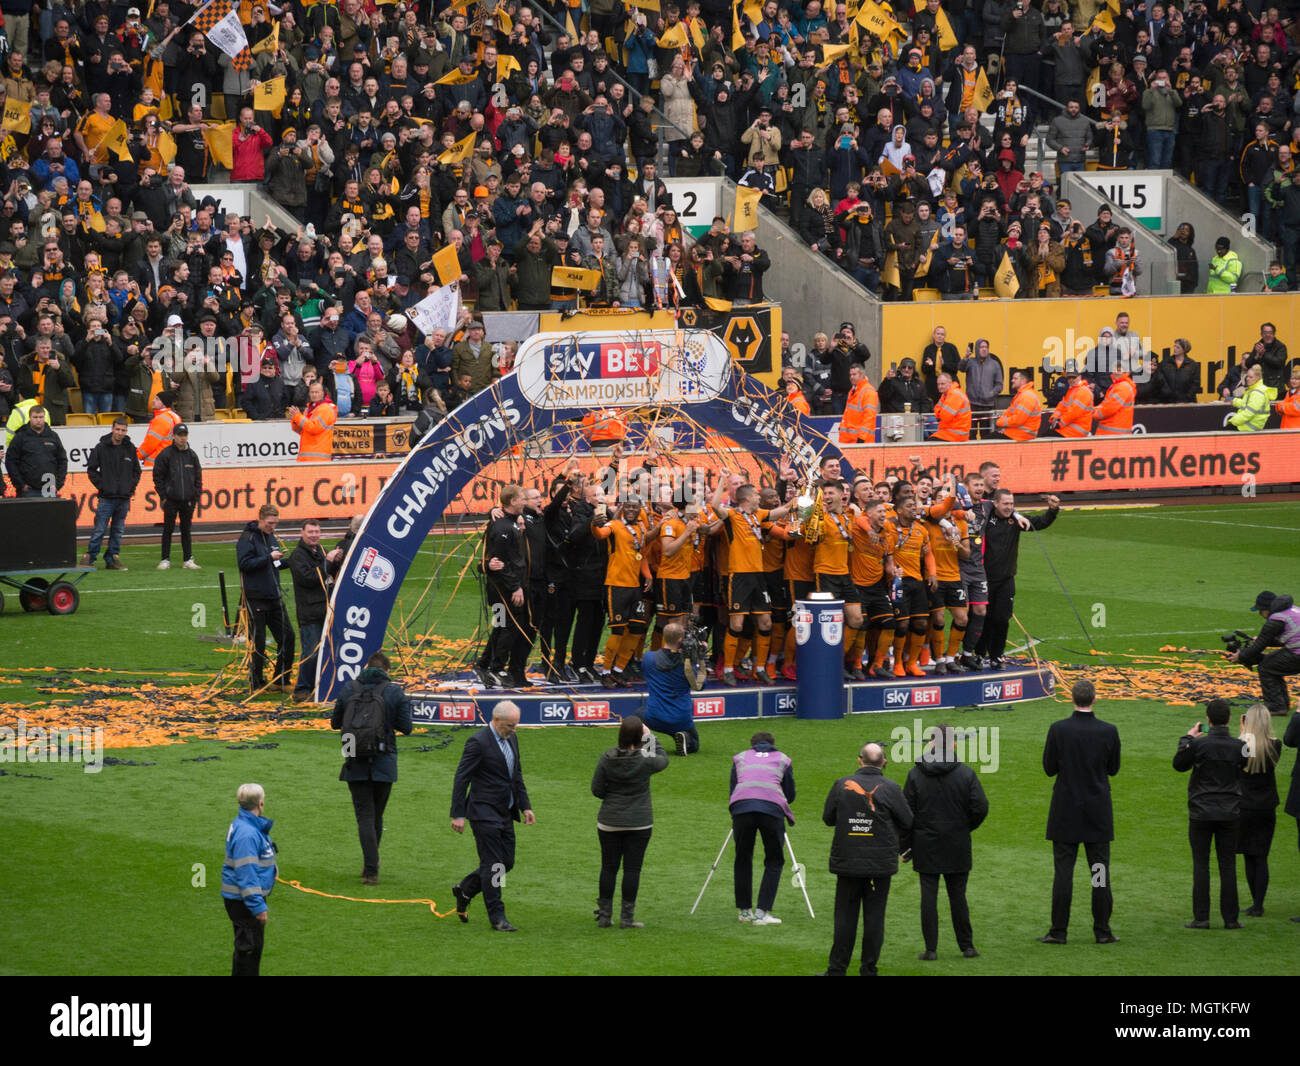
(926, 296)
(105, 418)
(80, 418)
(1101, 290)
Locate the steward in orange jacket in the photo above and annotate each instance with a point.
(858, 423)
(161, 427)
(1115, 413)
(795, 397)
(952, 411)
(1021, 420)
(316, 426)
(1289, 405)
(604, 427)
(1073, 415)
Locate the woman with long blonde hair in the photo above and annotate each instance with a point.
(1258, 801)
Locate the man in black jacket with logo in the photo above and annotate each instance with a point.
(1082, 753)
(1001, 554)
(506, 575)
(311, 569)
(1215, 759)
(36, 460)
(114, 470)
(870, 817)
(370, 778)
(178, 480)
(586, 558)
(948, 804)
(260, 557)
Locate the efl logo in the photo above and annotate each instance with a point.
(925, 697)
(456, 712)
(896, 697)
(1013, 690)
(992, 691)
(710, 708)
(591, 711)
(555, 712)
(612, 360)
(787, 703)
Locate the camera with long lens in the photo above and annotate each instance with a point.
(695, 650)
(1236, 640)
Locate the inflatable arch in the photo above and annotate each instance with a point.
(558, 377)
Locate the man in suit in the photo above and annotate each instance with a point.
(1081, 752)
(489, 791)
(1216, 760)
(870, 816)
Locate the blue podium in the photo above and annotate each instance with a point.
(819, 656)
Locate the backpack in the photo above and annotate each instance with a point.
(365, 723)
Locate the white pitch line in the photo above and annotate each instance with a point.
(1212, 522)
(1148, 633)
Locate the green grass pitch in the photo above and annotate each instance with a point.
(102, 872)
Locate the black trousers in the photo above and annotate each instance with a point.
(264, 615)
(589, 620)
(556, 623)
(868, 894)
(1065, 856)
(250, 935)
(496, 858)
(184, 510)
(746, 827)
(512, 633)
(627, 848)
(1224, 836)
(369, 798)
(1002, 599)
(956, 886)
(1274, 669)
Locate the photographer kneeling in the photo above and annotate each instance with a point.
(669, 680)
(1282, 630)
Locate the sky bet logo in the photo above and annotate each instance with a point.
(921, 696)
(710, 707)
(610, 360)
(456, 712)
(787, 703)
(555, 712)
(591, 711)
(1003, 690)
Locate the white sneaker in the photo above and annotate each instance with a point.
(166, 564)
(190, 564)
(746, 916)
(763, 918)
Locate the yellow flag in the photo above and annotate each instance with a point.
(647, 5)
(506, 64)
(745, 216)
(674, 36)
(1113, 5)
(446, 263)
(115, 141)
(381, 3)
(1105, 22)
(268, 44)
(983, 92)
(504, 22)
(95, 221)
(1005, 282)
(714, 304)
(696, 31)
(459, 152)
(1094, 94)
(889, 272)
(737, 35)
(17, 116)
(457, 78)
(753, 11)
(563, 277)
(569, 27)
(269, 96)
(166, 146)
(875, 19)
(219, 139)
(947, 39)
(923, 267)
(832, 52)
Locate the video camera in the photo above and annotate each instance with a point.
(1236, 640)
(695, 648)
